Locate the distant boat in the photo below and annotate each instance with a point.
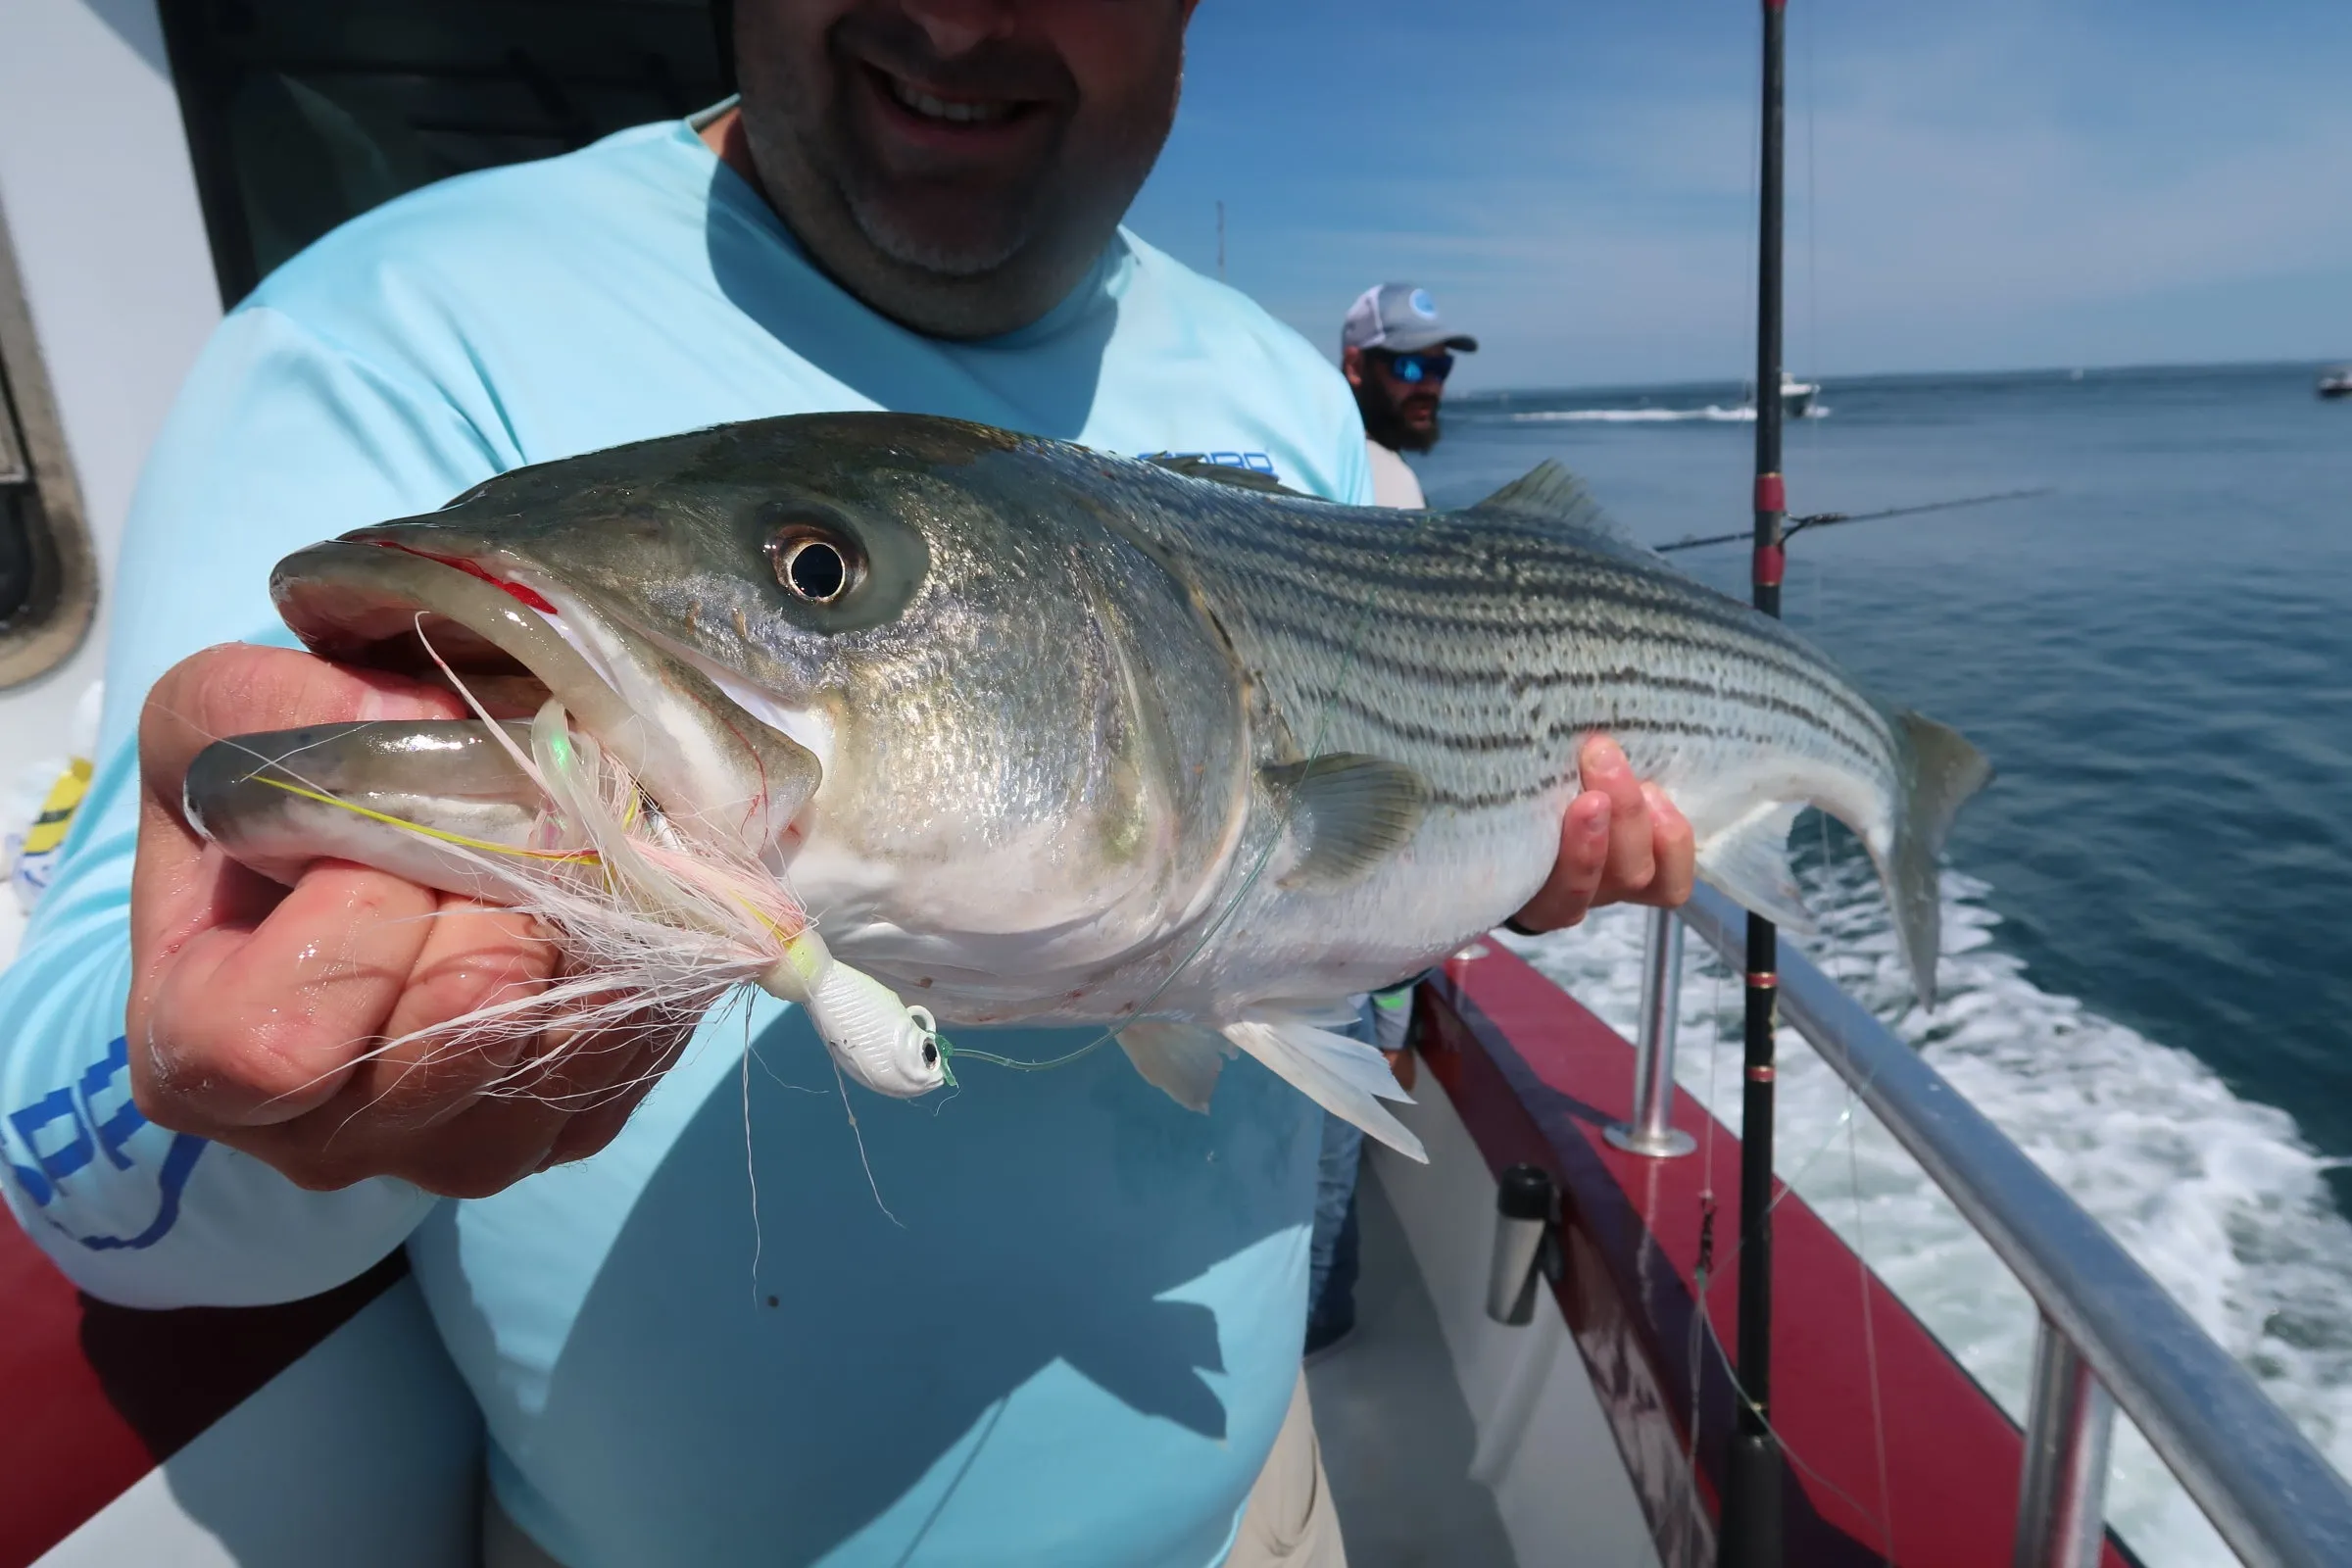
(1796, 397)
(2336, 382)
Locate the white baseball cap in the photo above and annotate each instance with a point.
(1401, 319)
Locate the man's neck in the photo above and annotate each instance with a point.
(730, 141)
(726, 139)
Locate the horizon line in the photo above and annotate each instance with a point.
(1824, 378)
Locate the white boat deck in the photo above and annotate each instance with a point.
(1397, 1432)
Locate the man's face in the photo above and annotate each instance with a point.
(958, 164)
(1397, 412)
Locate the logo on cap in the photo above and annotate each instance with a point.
(1422, 305)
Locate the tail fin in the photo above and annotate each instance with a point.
(1941, 770)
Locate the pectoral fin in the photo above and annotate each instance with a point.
(1345, 1077)
(1748, 864)
(1181, 1058)
(1346, 813)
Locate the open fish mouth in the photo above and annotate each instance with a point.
(443, 604)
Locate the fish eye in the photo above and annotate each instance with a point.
(930, 1054)
(815, 564)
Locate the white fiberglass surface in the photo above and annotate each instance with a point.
(2219, 1197)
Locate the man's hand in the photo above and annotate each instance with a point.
(1622, 842)
(254, 1009)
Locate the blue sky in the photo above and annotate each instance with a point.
(1995, 184)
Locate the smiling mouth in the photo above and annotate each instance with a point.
(952, 111)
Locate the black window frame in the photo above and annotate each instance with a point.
(208, 73)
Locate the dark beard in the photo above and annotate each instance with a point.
(1384, 424)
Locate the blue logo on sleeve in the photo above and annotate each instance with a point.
(71, 1128)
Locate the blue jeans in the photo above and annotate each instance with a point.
(1331, 1254)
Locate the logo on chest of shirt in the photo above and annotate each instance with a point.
(1255, 461)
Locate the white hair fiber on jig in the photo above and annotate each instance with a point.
(656, 925)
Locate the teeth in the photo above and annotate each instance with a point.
(963, 114)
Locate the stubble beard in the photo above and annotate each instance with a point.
(850, 215)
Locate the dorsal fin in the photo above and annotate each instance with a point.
(1199, 468)
(1556, 500)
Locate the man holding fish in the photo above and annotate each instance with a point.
(1060, 1320)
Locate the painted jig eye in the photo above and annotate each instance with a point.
(930, 1054)
(813, 563)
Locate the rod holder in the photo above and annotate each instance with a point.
(1652, 1133)
(1527, 1246)
(2061, 1504)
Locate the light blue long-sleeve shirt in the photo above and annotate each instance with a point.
(1061, 1321)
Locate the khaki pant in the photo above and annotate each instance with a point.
(1290, 1522)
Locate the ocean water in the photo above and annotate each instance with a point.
(2148, 959)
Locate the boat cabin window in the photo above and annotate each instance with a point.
(16, 523)
(48, 581)
(301, 114)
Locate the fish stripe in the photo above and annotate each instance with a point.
(1558, 729)
(1869, 725)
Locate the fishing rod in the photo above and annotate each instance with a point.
(1824, 519)
(1749, 1535)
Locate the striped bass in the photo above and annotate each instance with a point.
(1038, 733)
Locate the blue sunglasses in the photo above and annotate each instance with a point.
(1414, 368)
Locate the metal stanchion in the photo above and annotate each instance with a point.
(2061, 1505)
(1650, 1132)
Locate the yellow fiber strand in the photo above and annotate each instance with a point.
(571, 857)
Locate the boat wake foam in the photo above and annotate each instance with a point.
(2221, 1198)
(1712, 414)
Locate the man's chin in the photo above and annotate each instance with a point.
(1417, 438)
(929, 247)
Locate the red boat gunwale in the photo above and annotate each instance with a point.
(1534, 1077)
(99, 1395)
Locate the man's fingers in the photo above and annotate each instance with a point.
(1584, 854)
(252, 1027)
(181, 887)
(239, 689)
(1621, 839)
(473, 955)
(564, 1100)
(1672, 850)
(1602, 767)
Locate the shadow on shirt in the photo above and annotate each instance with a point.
(1040, 379)
(968, 1353)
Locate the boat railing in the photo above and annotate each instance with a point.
(2110, 1336)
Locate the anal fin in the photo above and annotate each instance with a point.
(1345, 1077)
(1748, 864)
(1183, 1060)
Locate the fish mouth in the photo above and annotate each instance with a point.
(509, 633)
